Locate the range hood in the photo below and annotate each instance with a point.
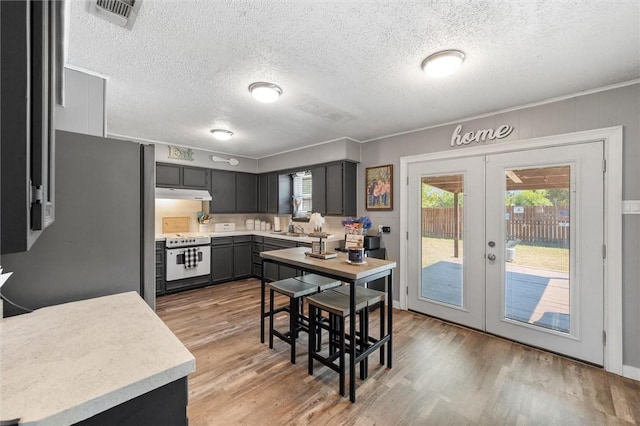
(183, 194)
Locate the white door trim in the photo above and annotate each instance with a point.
(612, 137)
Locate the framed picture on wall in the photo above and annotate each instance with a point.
(379, 187)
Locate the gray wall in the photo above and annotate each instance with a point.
(619, 106)
(343, 149)
(202, 158)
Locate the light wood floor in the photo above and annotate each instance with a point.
(442, 374)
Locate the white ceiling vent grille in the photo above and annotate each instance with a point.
(119, 12)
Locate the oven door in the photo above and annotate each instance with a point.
(175, 263)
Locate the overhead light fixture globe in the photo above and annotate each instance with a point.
(265, 92)
(221, 134)
(443, 63)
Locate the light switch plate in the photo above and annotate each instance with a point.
(631, 207)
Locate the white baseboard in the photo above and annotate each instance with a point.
(631, 372)
(396, 304)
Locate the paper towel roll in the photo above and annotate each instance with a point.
(276, 224)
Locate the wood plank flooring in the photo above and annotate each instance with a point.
(442, 375)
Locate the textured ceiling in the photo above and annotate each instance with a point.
(347, 68)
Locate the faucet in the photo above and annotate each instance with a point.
(299, 229)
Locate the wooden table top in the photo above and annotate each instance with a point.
(337, 266)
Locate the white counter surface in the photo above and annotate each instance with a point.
(65, 363)
(269, 234)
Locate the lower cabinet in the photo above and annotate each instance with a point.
(275, 272)
(160, 261)
(221, 259)
(257, 247)
(231, 258)
(242, 257)
(165, 405)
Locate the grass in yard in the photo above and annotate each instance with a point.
(551, 258)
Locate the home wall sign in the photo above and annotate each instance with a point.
(177, 153)
(459, 139)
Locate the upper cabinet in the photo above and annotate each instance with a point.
(178, 176)
(246, 193)
(319, 189)
(223, 192)
(263, 190)
(31, 43)
(274, 193)
(334, 188)
(233, 192)
(195, 177)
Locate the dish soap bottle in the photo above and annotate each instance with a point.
(291, 228)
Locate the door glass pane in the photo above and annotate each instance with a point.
(442, 239)
(537, 249)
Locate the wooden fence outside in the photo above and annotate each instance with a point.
(533, 224)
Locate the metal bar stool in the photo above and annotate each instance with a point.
(375, 299)
(295, 289)
(335, 302)
(323, 283)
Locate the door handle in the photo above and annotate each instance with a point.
(491, 257)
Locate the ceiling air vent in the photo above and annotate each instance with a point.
(119, 12)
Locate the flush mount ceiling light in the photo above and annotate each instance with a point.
(221, 134)
(231, 161)
(265, 92)
(443, 63)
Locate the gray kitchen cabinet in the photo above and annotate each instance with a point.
(221, 259)
(257, 247)
(272, 193)
(231, 258)
(31, 44)
(223, 192)
(246, 193)
(334, 188)
(278, 272)
(233, 192)
(341, 189)
(263, 189)
(242, 257)
(160, 268)
(195, 177)
(319, 189)
(178, 176)
(168, 175)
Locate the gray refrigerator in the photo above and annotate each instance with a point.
(102, 240)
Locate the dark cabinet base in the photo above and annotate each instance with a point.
(166, 405)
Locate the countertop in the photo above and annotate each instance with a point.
(269, 234)
(338, 266)
(63, 364)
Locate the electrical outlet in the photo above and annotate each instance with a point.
(386, 229)
(380, 229)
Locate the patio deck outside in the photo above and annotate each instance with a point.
(536, 282)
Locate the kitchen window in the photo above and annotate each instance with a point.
(302, 201)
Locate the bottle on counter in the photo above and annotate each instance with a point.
(291, 228)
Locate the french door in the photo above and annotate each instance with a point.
(512, 244)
